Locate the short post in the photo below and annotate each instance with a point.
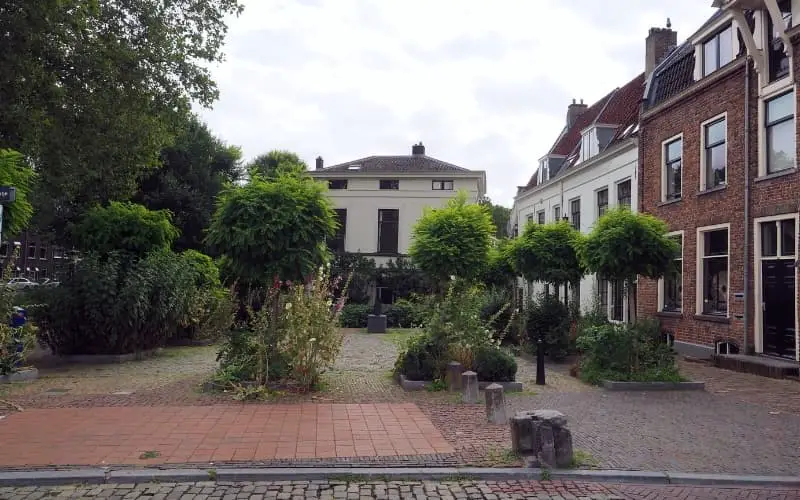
(540, 359)
(469, 385)
(453, 376)
(495, 405)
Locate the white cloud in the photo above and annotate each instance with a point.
(483, 84)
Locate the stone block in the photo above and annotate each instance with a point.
(453, 376)
(469, 387)
(376, 324)
(543, 436)
(496, 405)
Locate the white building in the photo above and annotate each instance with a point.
(591, 167)
(379, 199)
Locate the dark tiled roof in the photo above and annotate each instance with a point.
(396, 164)
(672, 76)
(566, 143)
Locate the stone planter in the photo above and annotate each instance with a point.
(420, 385)
(612, 385)
(23, 375)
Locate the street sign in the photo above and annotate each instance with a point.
(8, 194)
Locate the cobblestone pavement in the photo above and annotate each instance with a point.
(489, 490)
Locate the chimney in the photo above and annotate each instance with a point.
(575, 110)
(418, 149)
(319, 163)
(657, 45)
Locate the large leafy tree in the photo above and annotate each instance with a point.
(272, 227)
(453, 240)
(92, 90)
(16, 173)
(193, 171)
(275, 163)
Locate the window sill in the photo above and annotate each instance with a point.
(775, 175)
(668, 202)
(670, 314)
(716, 189)
(712, 318)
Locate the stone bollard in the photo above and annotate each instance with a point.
(543, 436)
(453, 376)
(469, 385)
(495, 404)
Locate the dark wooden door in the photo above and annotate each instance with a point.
(778, 283)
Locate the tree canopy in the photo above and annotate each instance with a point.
(14, 172)
(548, 253)
(453, 240)
(275, 163)
(92, 90)
(272, 227)
(624, 245)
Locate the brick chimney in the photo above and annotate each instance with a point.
(657, 45)
(320, 164)
(418, 149)
(575, 110)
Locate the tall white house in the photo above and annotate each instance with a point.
(591, 167)
(378, 199)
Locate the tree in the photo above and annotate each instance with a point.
(500, 217)
(624, 245)
(548, 253)
(193, 171)
(92, 90)
(275, 163)
(272, 227)
(14, 172)
(125, 227)
(500, 271)
(453, 240)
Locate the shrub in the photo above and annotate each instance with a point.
(494, 365)
(549, 315)
(626, 353)
(354, 315)
(422, 359)
(406, 314)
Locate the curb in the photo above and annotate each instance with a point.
(354, 474)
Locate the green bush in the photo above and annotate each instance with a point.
(548, 314)
(236, 358)
(354, 315)
(626, 353)
(423, 359)
(498, 311)
(495, 365)
(406, 314)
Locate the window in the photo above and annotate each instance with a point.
(389, 184)
(589, 144)
(624, 194)
(780, 133)
(388, 227)
(714, 154)
(602, 295)
(575, 210)
(673, 156)
(718, 51)
(442, 185)
(618, 300)
(529, 218)
(602, 202)
(557, 213)
(672, 284)
(58, 253)
(385, 294)
(42, 252)
(777, 60)
(337, 244)
(337, 184)
(714, 270)
(31, 250)
(778, 238)
(540, 216)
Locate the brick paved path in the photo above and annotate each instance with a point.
(333, 490)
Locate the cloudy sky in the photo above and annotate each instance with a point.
(484, 85)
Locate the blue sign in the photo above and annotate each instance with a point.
(8, 194)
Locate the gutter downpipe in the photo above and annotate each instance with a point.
(746, 202)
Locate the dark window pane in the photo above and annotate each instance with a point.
(337, 184)
(624, 193)
(618, 300)
(673, 292)
(716, 242)
(389, 184)
(780, 107)
(388, 228)
(780, 146)
(788, 237)
(715, 285)
(556, 213)
(715, 166)
(337, 244)
(769, 239)
(602, 292)
(602, 202)
(674, 180)
(540, 217)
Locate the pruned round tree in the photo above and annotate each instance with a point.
(548, 253)
(275, 163)
(453, 240)
(272, 227)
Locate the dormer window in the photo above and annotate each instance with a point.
(543, 174)
(778, 61)
(590, 146)
(718, 51)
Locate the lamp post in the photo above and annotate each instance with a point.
(540, 358)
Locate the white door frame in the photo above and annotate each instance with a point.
(758, 322)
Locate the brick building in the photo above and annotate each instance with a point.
(718, 149)
(35, 259)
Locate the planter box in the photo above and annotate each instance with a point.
(20, 376)
(420, 385)
(612, 385)
(107, 359)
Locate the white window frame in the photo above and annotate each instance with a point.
(556, 218)
(590, 144)
(701, 252)
(703, 127)
(664, 166)
(762, 126)
(541, 217)
(662, 294)
(734, 47)
(616, 191)
(597, 201)
(757, 260)
(442, 185)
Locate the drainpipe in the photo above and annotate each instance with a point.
(746, 200)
